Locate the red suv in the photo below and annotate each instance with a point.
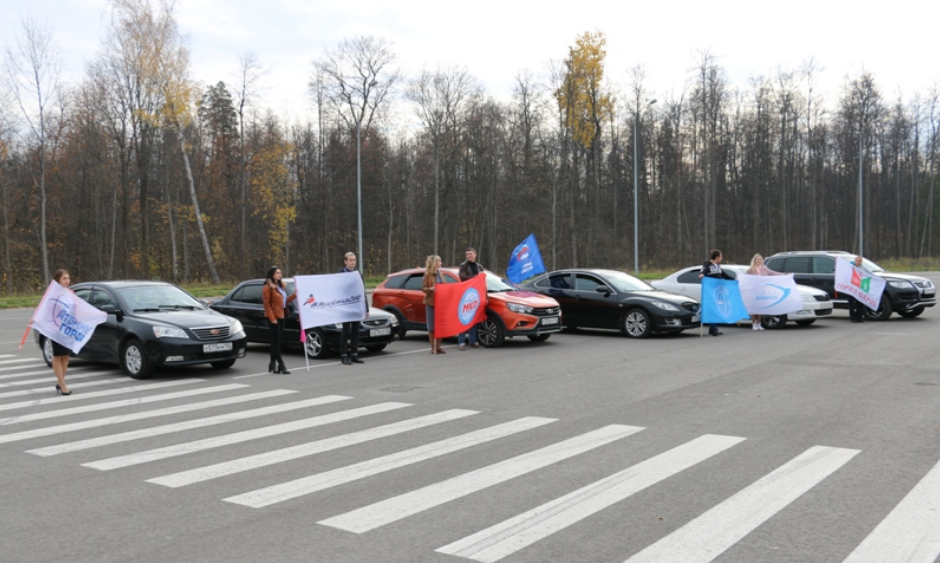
(509, 310)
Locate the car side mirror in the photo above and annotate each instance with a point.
(110, 309)
(605, 290)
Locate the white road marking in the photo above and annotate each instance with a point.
(303, 450)
(181, 426)
(46, 390)
(512, 535)
(117, 404)
(8, 368)
(239, 437)
(911, 532)
(49, 377)
(321, 481)
(94, 394)
(709, 535)
(17, 361)
(399, 507)
(321, 364)
(98, 422)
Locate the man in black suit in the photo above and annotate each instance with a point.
(349, 343)
(712, 269)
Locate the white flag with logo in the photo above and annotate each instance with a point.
(65, 319)
(769, 295)
(859, 283)
(330, 298)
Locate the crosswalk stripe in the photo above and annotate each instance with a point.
(17, 361)
(709, 535)
(911, 532)
(509, 536)
(45, 389)
(8, 368)
(143, 415)
(117, 404)
(238, 437)
(320, 481)
(396, 508)
(96, 394)
(181, 426)
(49, 378)
(303, 450)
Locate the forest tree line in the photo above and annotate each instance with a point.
(142, 171)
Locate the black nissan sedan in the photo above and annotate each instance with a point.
(153, 324)
(592, 298)
(245, 304)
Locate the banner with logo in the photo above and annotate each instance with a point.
(769, 295)
(859, 283)
(525, 261)
(65, 319)
(721, 301)
(329, 299)
(459, 306)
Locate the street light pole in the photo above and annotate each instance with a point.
(361, 260)
(636, 190)
(861, 214)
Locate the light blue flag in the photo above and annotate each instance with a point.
(721, 301)
(526, 261)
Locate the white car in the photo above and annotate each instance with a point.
(816, 302)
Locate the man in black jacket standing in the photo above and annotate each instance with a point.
(349, 343)
(712, 269)
(469, 269)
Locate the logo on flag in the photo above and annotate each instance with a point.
(859, 283)
(721, 301)
(769, 295)
(525, 261)
(66, 319)
(468, 306)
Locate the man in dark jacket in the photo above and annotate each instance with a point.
(349, 343)
(469, 269)
(712, 269)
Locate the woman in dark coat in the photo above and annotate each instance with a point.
(275, 300)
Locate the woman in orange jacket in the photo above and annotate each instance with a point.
(275, 300)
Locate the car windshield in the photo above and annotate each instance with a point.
(624, 282)
(495, 284)
(158, 298)
(871, 266)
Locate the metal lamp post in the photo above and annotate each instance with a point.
(361, 260)
(636, 191)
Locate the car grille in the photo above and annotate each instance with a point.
(546, 312)
(375, 322)
(212, 333)
(688, 306)
(823, 312)
(822, 298)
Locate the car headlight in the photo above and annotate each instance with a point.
(901, 284)
(237, 327)
(807, 298)
(519, 308)
(666, 306)
(169, 332)
(393, 321)
(338, 325)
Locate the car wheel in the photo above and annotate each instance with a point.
(402, 331)
(47, 350)
(315, 344)
(915, 312)
(376, 347)
(773, 322)
(884, 310)
(224, 364)
(806, 323)
(636, 324)
(490, 332)
(539, 337)
(134, 360)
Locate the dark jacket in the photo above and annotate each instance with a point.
(707, 271)
(468, 270)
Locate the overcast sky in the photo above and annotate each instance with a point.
(495, 40)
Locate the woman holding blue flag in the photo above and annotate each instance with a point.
(60, 354)
(758, 268)
(712, 269)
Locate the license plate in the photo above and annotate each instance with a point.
(380, 332)
(550, 321)
(695, 318)
(218, 347)
(928, 292)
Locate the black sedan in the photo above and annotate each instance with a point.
(245, 304)
(153, 324)
(611, 299)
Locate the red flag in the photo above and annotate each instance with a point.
(458, 306)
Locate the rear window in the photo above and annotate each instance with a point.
(249, 294)
(414, 282)
(690, 277)
(799, 265)
(824, 265)
(395, 282)
(561, 282)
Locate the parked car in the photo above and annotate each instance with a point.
(904, 294)
(244, 303)
(816, 303)
(154, 324)
(611, 299)
(509, 311)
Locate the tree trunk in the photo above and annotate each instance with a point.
(192, 192)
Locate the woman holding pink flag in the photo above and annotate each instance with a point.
(758, 268)
(60, 354)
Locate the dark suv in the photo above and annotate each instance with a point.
(904, 294)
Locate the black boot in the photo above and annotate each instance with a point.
(271, 367)
(347, 361)
(283, 369)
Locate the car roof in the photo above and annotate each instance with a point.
(813, 253)
(120, 284)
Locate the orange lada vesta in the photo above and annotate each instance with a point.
(509, 310)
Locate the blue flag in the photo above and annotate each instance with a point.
(721, 302)
(526, 261)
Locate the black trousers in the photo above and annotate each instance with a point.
(349, 342)
(856, 309)
(276, 330)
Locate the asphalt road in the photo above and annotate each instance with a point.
(815, 444)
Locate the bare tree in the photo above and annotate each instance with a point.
(249, 76)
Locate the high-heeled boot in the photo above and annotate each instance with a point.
(271, 368)
(283, 369)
